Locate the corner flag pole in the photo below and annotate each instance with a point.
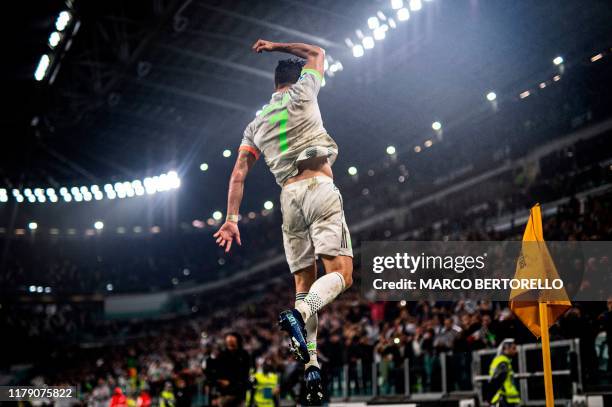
(548, 383)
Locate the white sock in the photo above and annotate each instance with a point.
(312, 324)
(321, 293)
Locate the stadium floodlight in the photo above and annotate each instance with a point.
(109, 287)
(556, 78)
(268, 205)
(62, 20)
(47, 290)
(32, 225)
(87, 197)
(392, 23)
(227, 153)
(397, 4)
(368, 42)
(41, 198)
(150, 185)
(391, 150)
(50, 191)
(417, 149)
(54, 39)
(99, 225)
(94, 188)
(174, 181)
(415, 5)
(19, 198)
(373, 23)
(119, 187)
(523, 95)
(436, 125)
(428, 143)
(3, 198)
(352, 171)
(217, 215)
(163, 183)
(204, 167)
(32, 289)
(111, 194)
(98, 196)
(379, 33)
(491, 96)
(27, 192)
(53, 198)
(358, 51)
(139, 190)
(63, 190)
(39, 289)
(597, 57)
(403, 14)
(67, 197)
(41, 69)
(558, 60)
(31, 199)
(78, 198)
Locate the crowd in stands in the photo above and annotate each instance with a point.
(176, 355)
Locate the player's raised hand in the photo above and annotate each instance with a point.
(227, 234)
(263, 45)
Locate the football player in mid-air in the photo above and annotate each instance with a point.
(289, 133)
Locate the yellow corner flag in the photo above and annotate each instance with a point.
(538, 312)
(535, 262)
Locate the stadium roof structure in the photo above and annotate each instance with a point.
(149, 86)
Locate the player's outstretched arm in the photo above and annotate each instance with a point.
(314, 56)
(229, 232)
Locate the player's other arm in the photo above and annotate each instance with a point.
(314, 55)
(229, 231)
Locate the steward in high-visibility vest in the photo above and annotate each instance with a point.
(166, 397)
(501, 376)
(265, 387)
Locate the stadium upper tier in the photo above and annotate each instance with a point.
(39, 264)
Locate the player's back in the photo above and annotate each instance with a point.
(289, 128)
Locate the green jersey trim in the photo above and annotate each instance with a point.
(313, 72)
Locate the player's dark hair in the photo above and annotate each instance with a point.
(288, 71)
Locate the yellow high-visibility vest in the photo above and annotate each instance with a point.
(264, 389)
(508, 390)
(167, 399)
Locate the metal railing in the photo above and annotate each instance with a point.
(437, 375)
(525, 371)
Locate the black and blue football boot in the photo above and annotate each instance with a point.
(314, 387)
(291, 322)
